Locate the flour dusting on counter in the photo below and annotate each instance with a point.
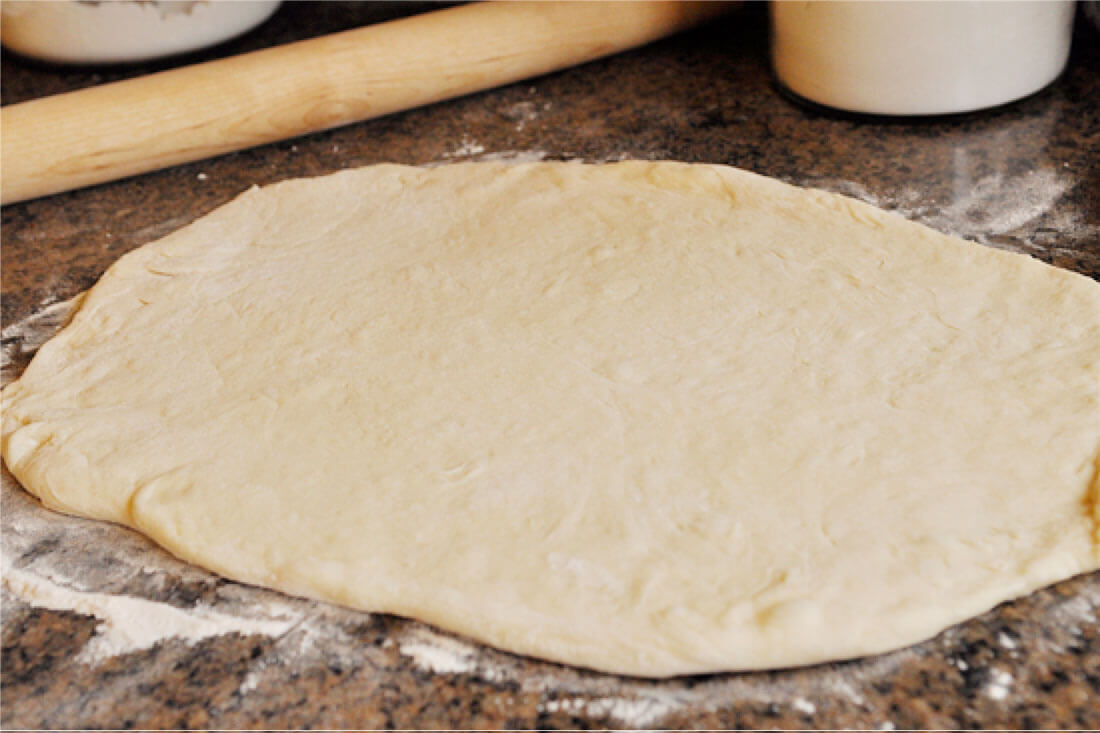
(438, 653)
(466, 149)
(19, 341)
(995, 210)
(636, 713)
(127, 623)
(478, 153)
(999, 684)
(1070, 615)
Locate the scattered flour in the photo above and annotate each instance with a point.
(841, 686)
(634, 705)
(633, 712)
(524, 156)
(1081, 608)
(999, 684)
(994, 206)
(127, 623)
(521, 113)
(504, 156)
(515, 156)
(992, 210)
(440, 653)
(437, 653)
(466, 149)
(251, 679)
(26, 336)
(803, 705)
(317, 640)
(1069, 616)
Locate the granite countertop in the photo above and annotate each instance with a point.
(101, 629)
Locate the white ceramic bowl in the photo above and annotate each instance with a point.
(919, 58)
(116, 31)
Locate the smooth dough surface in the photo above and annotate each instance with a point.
(649, 418)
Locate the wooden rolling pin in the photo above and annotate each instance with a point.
(121, 129)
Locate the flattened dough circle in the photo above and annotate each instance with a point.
(650, 418)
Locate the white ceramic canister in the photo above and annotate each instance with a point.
(926, 57)
(117, 31)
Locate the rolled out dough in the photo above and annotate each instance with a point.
(650, 418)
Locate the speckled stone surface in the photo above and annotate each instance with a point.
(1024, 177)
